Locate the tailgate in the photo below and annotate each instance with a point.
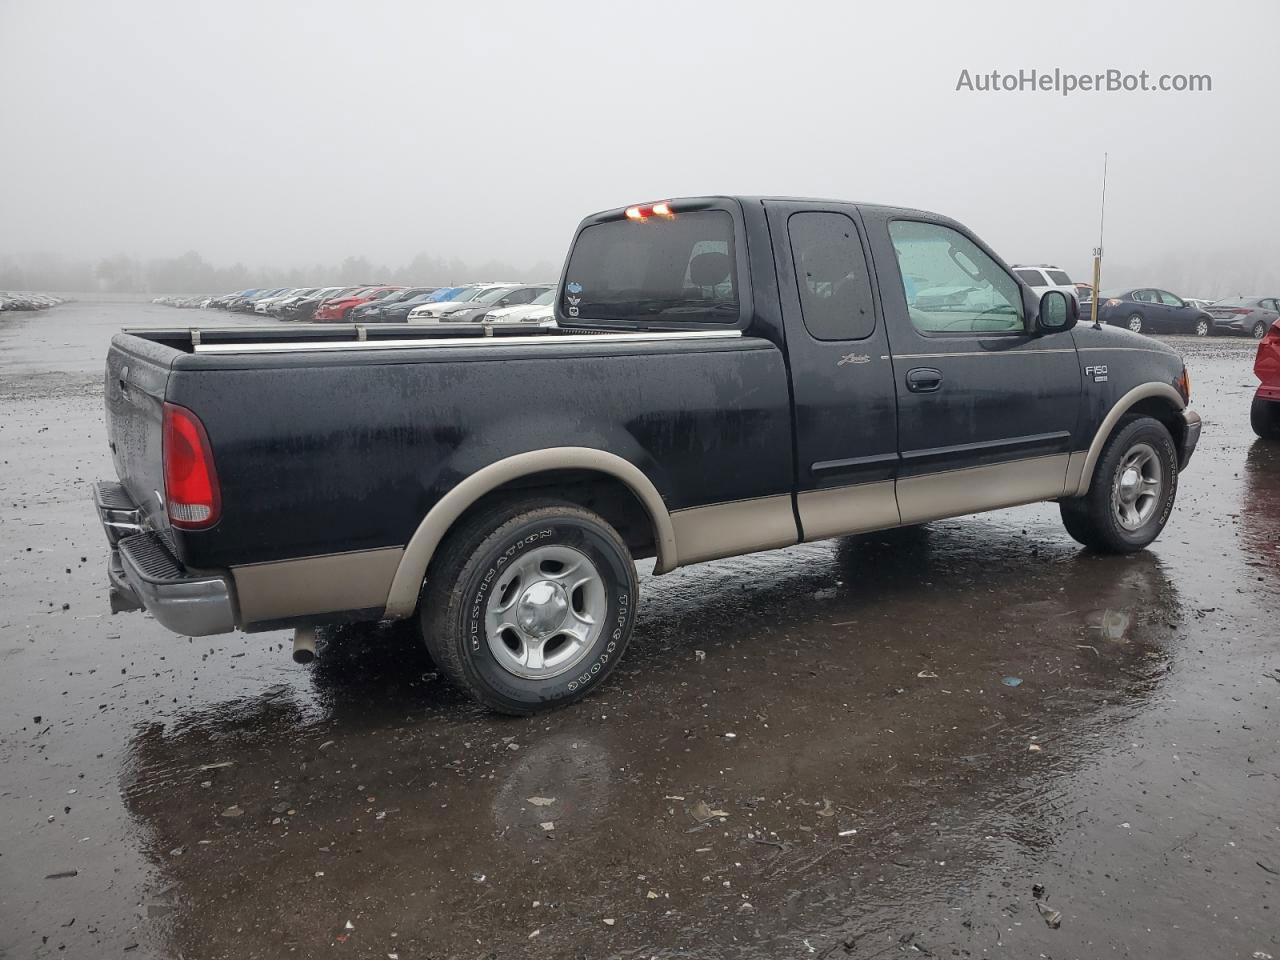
(137, 373)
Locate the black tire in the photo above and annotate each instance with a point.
(1092, 520)
(1259, 330)
(1135, 323)
(1204, 328)
(471, 561)
(1264, 417)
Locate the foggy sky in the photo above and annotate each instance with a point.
(292, 133)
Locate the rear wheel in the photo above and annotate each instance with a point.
(531, 604)
(1135, 322)
(1132, 491)
(1203, 328)
(1264, 417)
(1259, 330)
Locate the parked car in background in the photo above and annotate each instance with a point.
(1151, 310)
(304, 310)
(371, 312)
(537, 311)
(280, 305)
(398, 311)
(1250, 316)
(338, 309)
(1044, 276)
(246, 304)
(264, 305)
(27, 301)
(517, 296)
(477, 295)
(1264, 415)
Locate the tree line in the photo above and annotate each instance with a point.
(190, 273)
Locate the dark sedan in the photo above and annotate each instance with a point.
(373, 311)
(1151, 310)
(1251, 316)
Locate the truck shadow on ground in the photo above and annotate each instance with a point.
(769, 704)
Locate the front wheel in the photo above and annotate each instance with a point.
(530, 605)
(1135, 323)
(1264, 417)
(1132, 491)
(1259, 330)
(1203, 328)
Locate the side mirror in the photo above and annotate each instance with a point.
(1058, 312)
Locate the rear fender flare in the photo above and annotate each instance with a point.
(402, 599)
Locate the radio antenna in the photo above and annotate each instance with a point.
(1097, 251)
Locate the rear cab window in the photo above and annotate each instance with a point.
(832, 276)
(679, 269)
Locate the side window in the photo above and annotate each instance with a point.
(1060, 278)
(831, 274)
(1272, 304)
(1144, 296)
(951, 285)
(1169, 299)
(1032, 277)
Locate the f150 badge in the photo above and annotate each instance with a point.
(1099, 373)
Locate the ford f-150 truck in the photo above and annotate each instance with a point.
(727, 375)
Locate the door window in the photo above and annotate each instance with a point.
(1060, 278)
(1033, 277)
(1144, 296)
(1168, 299)
(832, 276)
(951, 285)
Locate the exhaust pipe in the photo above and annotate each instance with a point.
(304, 644)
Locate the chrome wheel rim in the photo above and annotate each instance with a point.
(1202, 328)
(545, 612)
(1259, 330)
(1135, 324)
(1135, 495)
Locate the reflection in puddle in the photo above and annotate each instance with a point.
(845, 712)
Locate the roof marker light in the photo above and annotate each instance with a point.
(663, 209)
(635, 213)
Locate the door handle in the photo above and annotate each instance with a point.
(924, 379)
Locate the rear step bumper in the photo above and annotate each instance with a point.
(143, 573)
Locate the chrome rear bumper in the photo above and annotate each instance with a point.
(144, 574)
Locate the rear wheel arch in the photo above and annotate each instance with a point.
(1160, 401)
(590, 477)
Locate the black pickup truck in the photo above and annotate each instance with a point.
(728, 374)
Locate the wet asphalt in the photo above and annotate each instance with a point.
(971, 739)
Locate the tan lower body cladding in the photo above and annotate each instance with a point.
(362, 580)
(315, 585)
(745, 526)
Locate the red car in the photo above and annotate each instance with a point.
(1265, 414)
(339, 309)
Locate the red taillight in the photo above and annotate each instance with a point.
(191, 493)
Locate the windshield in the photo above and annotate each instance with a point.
(492, 294)
(678, 268)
